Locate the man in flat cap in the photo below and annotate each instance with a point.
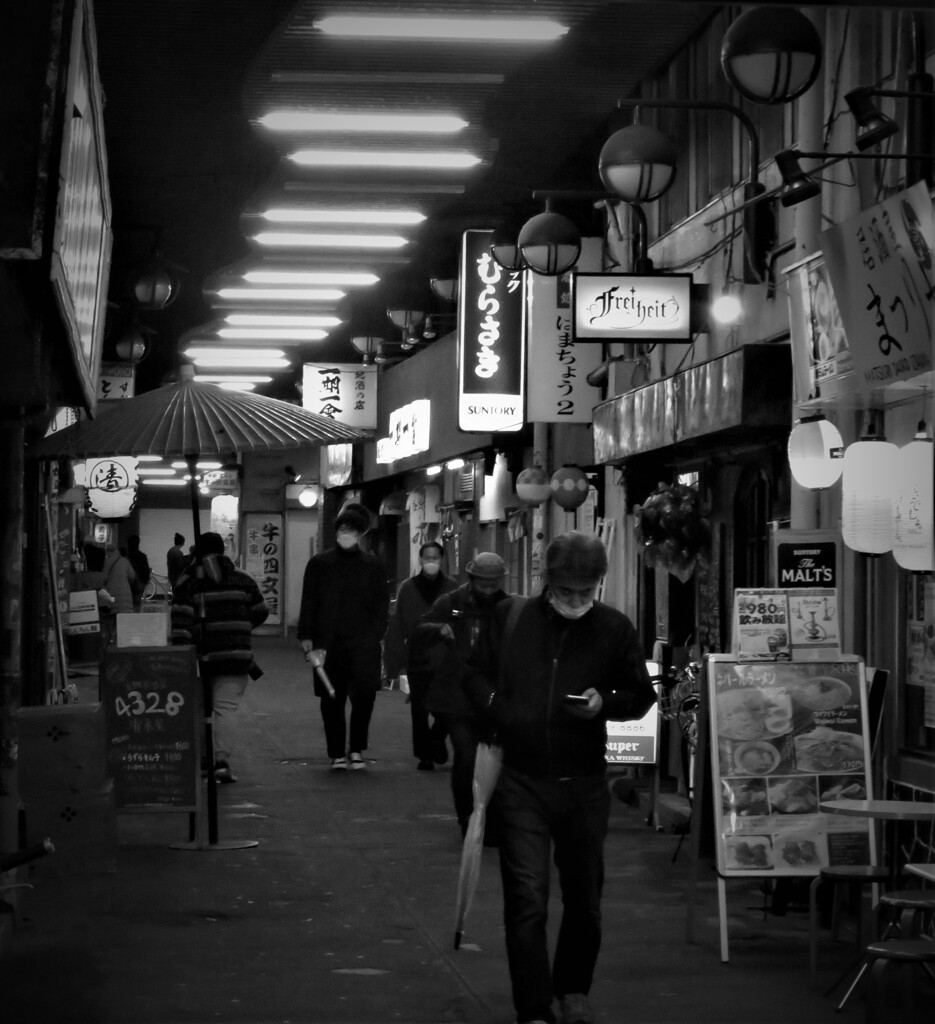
(342, 619)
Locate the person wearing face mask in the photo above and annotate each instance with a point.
(549, 673)
(342, 619)
(414, 665)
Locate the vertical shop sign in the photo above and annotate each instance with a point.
(491, 369)
(344, 392)
(116, 381)
(263, 549)
(882, 270)
(558, 390)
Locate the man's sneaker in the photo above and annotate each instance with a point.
(338, 764)
(222, 772)
(576, 1009)
(357, 762)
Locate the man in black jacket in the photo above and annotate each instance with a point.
(567, 665)
(342, 619)
(216, 607)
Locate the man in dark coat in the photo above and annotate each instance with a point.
(216, 607)
(413, 664)
(550, 675)
(454, 623)
(176, 559)
(342, 619)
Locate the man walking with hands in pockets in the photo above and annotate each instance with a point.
(550, 676)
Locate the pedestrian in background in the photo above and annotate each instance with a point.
(141, 568)
(115, 597)
(216, 607)
(414, 665)
(550, 671)
(342, 619)
(176, 559)
(453, 624)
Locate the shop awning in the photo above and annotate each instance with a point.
(740, 397)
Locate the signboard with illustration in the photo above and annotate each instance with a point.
(783, 738)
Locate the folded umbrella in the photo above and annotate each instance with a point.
(486, 773)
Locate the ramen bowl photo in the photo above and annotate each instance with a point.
(828, 750)
(756, 757)
(823, 693)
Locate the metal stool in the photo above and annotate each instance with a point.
(877, 956)
(849, 875)
(920, 903)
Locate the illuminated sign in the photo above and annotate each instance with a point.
(632, 307)
(344, 392)
(634, 742)
(409, 432)
(491, 368)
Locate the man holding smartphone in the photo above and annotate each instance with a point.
(549, 678)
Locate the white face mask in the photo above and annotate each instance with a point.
(347, 540)
(566, 611)
(431, 568)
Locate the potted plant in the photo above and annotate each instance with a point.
(671, 529)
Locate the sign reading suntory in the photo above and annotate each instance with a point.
(632, 307)
(491, 371)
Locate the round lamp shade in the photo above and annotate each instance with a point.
(533, 486)
(638, 163)
(771, 54)
(914, 506)
(112, 486)
(868, 484)
(569, 487)
(816, 453)
(154, 288)
(308, 497)
(549, 244)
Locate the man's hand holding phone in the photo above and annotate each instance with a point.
(583, 705)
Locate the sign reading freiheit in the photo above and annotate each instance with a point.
(632, 307)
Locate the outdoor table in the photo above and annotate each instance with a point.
(887, 811)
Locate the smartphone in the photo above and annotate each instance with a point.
(575, 698)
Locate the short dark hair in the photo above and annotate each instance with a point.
(209, 544)
(432, 544)
(354, 516)
(179, 540)
(576, 556)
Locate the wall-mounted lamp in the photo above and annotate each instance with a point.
(433, 470)
(446, 288)
(454, 464)
(759, 223)
(369, 347)
(308, 496)
(638, 163)
(405, 319)
(797, 185)
(504, 247)
(873, 126)
(132, 345)
(771, 54)
(727, 307)
(549, 243)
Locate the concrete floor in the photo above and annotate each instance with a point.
(343, 911)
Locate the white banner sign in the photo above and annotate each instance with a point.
(344, 392)
(557, 388)
(263, 550)
(881, 268)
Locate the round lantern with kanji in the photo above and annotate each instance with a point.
(532, 486)
(569, 487)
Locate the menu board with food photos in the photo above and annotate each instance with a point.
(785, 737)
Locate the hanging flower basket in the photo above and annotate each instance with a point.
(672, 531)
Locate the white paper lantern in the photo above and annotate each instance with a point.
(816, 453)
(868, 486)
(914, 506)
(112, 485)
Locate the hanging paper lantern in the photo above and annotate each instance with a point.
(569, 487)
(816, 453)
(112, 485)
(532, 486)
(914, 505)
(868, 485)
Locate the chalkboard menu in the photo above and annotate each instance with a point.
(784, 738)
(151, 706)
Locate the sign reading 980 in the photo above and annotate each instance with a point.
(152, 726)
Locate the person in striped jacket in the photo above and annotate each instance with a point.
(216, 607)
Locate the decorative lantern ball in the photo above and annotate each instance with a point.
(569, 487)
(532, 486)
(816, 453)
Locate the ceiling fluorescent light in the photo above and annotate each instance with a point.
(395, 217)
(312, 277)
(154, 471)
(222, 378)
(273, 333)
(297, 238)
(238, 358)
(159, 481)
(271, 320)
(149, 458)
(319, 121)
(237, 385)
(281, 294)
(494, 30)
(443, 160)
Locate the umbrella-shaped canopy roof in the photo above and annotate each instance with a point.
(193, 418)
